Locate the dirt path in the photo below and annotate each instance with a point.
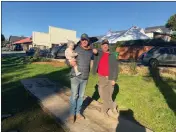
(53, 63)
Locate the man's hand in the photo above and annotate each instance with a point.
(95, 51)
(72, 63)
(113, 82)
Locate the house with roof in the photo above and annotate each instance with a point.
(134, 33)
(42, 40)
(26, 43)
(13, 39)
(149, 31)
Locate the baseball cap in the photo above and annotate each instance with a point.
(105, 41)
(84, 37)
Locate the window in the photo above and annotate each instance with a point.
(174, 50)
(171, 50)
(167, 50)
(152, 50)
(164, 51)
(63, 48)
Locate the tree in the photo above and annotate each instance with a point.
(2, 38)
(171, 24)
(4, 41)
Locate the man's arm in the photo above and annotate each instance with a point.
(115, 73)
(114, 70)
(95, 61)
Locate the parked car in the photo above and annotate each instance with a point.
(30, 52)
(42, 53)
(54, 51)
(58, 51)
(160, 56)
(18, 47)
(5, 49)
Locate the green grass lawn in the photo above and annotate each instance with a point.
(152, 101)
(146, 101)
(28, 116)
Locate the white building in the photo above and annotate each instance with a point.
(149, 31)
(55, 36)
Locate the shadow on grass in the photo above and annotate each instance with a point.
(12, 64)
(125, 126)
(8, 78)
(17, 101)
(13, 93)
(96, 96)
(165, 88)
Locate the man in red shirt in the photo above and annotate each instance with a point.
(106, 65)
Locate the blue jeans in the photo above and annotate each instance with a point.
(77, 92)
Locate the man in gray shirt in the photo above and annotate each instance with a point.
(78, 83)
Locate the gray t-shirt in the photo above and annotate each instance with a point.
(83, 61)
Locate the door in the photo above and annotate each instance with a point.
(173, 52)
(165, 56)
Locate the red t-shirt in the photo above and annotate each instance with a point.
(103, 66)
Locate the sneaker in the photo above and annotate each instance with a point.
(70, 119)
(78, 73)
(79, 117)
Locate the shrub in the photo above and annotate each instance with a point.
(133, 67)
(31, 59)
(37, 53)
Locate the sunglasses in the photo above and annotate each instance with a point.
(105, 43)
(84, 40)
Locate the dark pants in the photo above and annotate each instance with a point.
(105, 90)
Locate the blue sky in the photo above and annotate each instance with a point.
(93, 18)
